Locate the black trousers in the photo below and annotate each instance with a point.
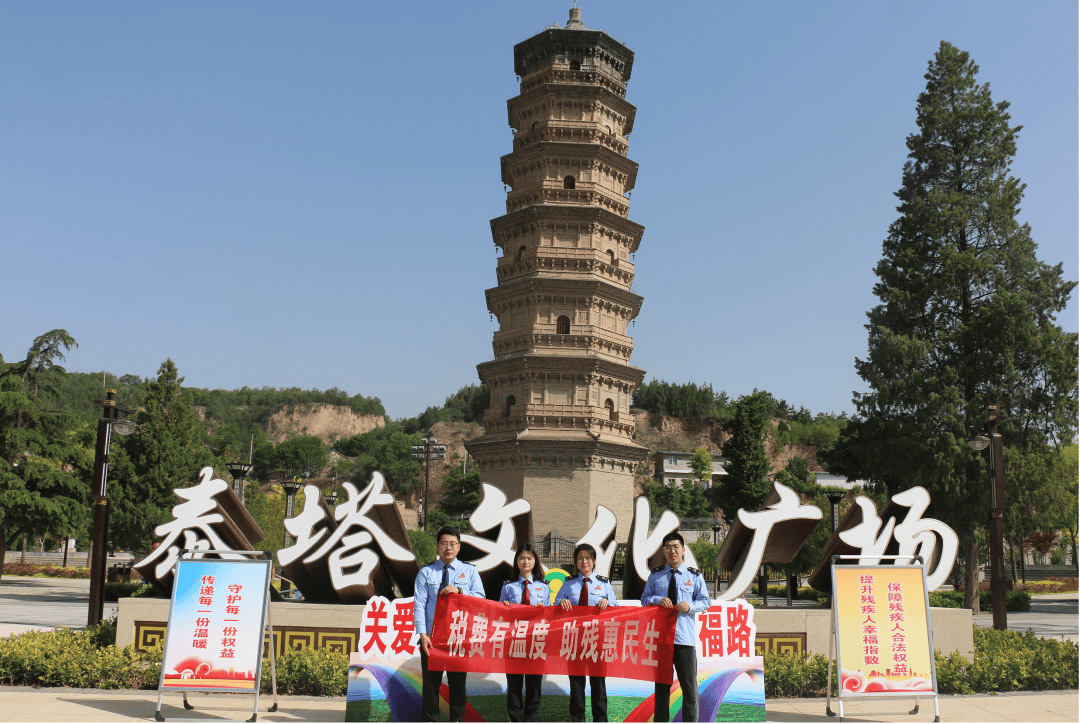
(685, 660)
(455, 681)
(577, 698)
(532, 696)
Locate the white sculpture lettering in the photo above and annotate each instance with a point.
(762, 522)
(345, 549)
(493, 511)
(914, 535)
(191, 519)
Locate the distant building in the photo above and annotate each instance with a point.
(674, 467)
(831, 480)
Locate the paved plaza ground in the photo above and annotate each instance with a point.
(43, 603)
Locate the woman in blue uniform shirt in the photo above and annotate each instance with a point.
(585, 589)
(528, 587)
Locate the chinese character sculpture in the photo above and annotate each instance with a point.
(348, 555)
(212, 519)
(899, 530)
(772, 535)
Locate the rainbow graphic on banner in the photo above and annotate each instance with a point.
(404, 687)
(713, 684)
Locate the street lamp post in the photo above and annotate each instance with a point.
(99, 554)
(834, 497)
(429, 450)
(239, 472)
(997, 509)
(291, 488)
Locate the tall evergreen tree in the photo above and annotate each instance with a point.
(746, 484)
(46, 458)
(166, 453)
(966, 313)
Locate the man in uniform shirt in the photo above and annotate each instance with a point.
(447, 575)
(684, 588)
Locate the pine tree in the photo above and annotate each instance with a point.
(166, 453)
(746, 484)
(46, 456)
(966, 313)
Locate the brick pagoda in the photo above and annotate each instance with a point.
(559, 432)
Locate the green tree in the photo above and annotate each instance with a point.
(45, 456)
(966, 313)
(166, 452)
(304, 455)
(460, 491)
(701, 465)
(746, 484)
(685, 499)
(387, 450)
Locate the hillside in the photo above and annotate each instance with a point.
(661, 432)
(327, 422)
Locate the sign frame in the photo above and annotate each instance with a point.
(265, 624)
(860, 564)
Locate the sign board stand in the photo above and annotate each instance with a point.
(881, 630)
(212, 645)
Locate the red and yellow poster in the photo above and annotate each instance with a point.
(215, 635)
(882, 630)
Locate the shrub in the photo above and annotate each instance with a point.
(311, 672)
(799, 675)
(1009, 661)
(1014, 600)
(89, 659)
(115, 591)
(1003, 661)
(76, 659)
(32, 569)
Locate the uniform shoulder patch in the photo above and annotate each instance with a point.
(693, 571)
(602, 578)
(658, 569)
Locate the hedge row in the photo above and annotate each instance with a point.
(1004, 661)
(32, 569)
(1014, 600)
(89, 659)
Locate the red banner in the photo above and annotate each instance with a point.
(628, 642)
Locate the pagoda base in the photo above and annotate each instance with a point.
(564, 475)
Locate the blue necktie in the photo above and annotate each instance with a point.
(673, 589)
(445, 577)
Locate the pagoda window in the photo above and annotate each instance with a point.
(611, 257)
(568, 183)
(517, 257)
(510, 402)
(610, 407)
(575, 65)
(562, 325)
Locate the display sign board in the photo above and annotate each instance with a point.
(385, 682)
(216, 627)
(881, 624)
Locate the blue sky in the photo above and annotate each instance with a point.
(284, 194)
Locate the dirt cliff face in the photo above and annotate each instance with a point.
(328, 422)
(659, 432)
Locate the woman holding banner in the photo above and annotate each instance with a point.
(528, 587)
(585, 589)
